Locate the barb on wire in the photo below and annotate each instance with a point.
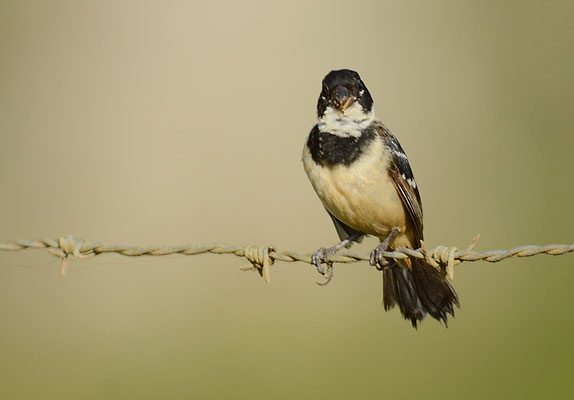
(261, 258)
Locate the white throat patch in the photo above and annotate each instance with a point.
(349, 124)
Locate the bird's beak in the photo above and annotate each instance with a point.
(343, 98)
(347, 103)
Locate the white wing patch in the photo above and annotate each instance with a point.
(400, 154)
(410, 181)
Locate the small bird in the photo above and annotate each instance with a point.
(363, 178)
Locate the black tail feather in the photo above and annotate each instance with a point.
(418, 291)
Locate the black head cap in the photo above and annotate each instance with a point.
(341, 89)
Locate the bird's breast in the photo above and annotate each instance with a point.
(362, 194)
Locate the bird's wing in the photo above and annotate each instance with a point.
(402, 175)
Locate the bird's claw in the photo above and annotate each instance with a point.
(319, 257)
(328, 275)
(377, 260)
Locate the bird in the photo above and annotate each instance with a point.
(363, 178)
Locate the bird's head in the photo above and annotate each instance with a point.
(343, 90)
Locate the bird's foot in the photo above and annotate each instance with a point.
(377, 260)
(322, 256)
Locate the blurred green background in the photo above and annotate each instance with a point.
(176, 122)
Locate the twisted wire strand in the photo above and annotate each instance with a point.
(262, 257)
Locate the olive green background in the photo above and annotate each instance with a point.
(176, 122)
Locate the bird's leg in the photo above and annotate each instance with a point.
(377, 260)
(322, 255)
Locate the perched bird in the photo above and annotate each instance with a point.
(363, 178)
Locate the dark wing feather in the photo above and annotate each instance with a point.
(422, 289)
(402, 175)
(344, 231)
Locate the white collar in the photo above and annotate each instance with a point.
(351, 123)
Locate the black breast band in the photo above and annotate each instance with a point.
(329, 150)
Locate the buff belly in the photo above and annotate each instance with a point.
(361, 195)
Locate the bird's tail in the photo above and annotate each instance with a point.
(418, 291)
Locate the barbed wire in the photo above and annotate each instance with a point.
(261, 258)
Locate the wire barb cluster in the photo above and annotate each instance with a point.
(261, 258)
